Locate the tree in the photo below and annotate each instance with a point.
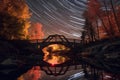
(111, 17)
(14, 19)
(35, 31)
(11, 27)
(106, 17)
(115, 14)
(91, 18)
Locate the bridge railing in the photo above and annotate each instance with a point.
(36, 40)
(41, 40)
(75, 40)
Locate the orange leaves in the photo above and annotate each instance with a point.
(35, 31)
(32, 74)
(17, 8)
(105, 15)
(18, 21)
(93, 9)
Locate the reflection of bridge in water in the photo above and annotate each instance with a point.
(94, 58)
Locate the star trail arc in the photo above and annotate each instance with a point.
(59, 16)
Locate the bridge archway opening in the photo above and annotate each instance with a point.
(56, 53)
(56, 49)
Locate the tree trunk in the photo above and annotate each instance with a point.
(98, 36)
(115, 16)
(110, 25)
(108, 33)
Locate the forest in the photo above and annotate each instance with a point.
(102, 20)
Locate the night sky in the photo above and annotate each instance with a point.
(59, 16)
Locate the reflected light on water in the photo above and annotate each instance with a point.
(55, 53)
(32, 74)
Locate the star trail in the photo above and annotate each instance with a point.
(59, 16)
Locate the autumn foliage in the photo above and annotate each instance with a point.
(35, 31)
(102, 17)
(14, 19)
